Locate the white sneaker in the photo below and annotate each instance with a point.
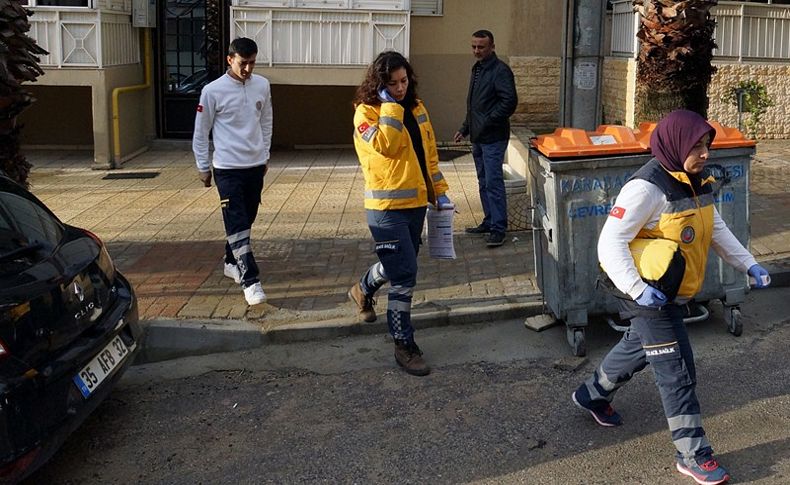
(254, 294)
(232, 272)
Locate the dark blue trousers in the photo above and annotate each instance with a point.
(240, 196)
(491, 183)
(657, 337)
(397, 236)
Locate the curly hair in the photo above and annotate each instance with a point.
(378, 75)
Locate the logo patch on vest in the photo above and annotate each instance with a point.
(368, 133)
(200, 108)
(258, 105)
(687, 235)
(617, 212)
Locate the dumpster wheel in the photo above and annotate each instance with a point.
(733, 317)
(577, 339)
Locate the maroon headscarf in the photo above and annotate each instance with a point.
(675, 136)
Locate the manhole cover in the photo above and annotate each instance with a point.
(130, 175)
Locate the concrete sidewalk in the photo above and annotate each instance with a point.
(312, 243)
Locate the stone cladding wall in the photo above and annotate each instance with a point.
(775, 123)
(618, 90)
(538, 88)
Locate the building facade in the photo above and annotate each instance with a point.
(753, 41)
(122, 73)
(97, 92)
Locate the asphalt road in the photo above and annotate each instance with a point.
(496, 409)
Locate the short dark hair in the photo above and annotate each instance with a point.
(242, 46)
(482, 34)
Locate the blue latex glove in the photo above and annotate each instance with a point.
(651, 297)
(444, 202)
(385, 96)
(757, 272)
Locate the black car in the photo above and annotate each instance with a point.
(68, 329)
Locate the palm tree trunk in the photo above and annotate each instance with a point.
(674, 65)
(18, 63)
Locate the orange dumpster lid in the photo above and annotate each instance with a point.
(574, 142)
(726, 137)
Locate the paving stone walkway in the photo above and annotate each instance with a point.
(311, 241)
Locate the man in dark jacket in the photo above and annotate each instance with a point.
(491, 100)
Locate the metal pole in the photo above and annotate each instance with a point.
(740, 93)
(581, 104)
(566, 70)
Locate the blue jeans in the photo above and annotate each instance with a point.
(491, 183)
(397, 241)
(657, 337)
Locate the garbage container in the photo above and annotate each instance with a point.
(574, 178)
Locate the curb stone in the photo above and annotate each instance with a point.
(173, 339)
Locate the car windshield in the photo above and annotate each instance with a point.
(27, 232)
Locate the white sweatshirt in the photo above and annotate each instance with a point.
(240, 115)
(640, 204)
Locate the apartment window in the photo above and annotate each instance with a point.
(426, 7)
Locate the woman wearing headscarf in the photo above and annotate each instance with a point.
(396, 146)
(667, 199)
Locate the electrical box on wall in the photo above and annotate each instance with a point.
(144, 13)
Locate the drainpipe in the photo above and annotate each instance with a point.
(116, 94)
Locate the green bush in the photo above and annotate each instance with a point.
(756, 102)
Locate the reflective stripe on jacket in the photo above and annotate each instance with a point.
(393, 178)
(686, 219)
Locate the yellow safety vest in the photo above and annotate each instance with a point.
(687, 220)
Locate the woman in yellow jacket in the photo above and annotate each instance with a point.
(396, 146)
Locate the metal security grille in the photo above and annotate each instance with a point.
(191, 55)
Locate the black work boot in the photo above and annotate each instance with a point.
(364, 303)
(409, 357)
(481, 229)
(495, 239)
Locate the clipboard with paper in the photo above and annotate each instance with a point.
(440, 233)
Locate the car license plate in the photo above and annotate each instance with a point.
(91, 376)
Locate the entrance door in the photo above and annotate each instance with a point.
(191, 47)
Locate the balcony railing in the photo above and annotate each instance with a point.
(328, 4)
(744, 31)
(625, 23)
(86, 36)
(321, 37)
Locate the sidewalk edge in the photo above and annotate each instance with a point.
(166, 339)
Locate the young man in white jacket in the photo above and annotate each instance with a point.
(237, 109)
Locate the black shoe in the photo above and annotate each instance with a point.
(481, 229)
(495, 239)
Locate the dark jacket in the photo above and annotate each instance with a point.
(491, 101)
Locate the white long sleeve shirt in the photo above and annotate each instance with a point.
(640, 205)
(240, 116)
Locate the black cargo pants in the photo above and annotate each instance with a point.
(240, 195)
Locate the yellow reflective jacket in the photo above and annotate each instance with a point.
(393, 178)
(686, 219)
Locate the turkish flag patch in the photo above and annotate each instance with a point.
(363, 127)
(200, 108)
(617, 212)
